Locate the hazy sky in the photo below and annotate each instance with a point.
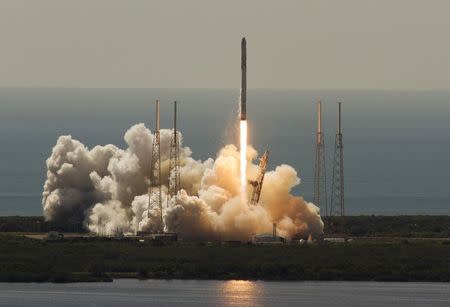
(351, 44)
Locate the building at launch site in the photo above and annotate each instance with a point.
(268, 238)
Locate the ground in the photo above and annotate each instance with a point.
(26, 259)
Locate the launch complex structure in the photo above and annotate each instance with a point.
(337, 186)
(155, 201)
(263, 161)
(336, 205)
(320, 184)
(155, 189)
(320, 180)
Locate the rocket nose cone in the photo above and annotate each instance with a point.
(243, 41)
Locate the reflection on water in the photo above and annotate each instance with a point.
(240, 291)
(130, 292)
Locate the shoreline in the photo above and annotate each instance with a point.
(111, 277)
(111, 280)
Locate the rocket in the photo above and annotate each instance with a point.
(243, 79)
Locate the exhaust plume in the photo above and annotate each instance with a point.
(106, 188)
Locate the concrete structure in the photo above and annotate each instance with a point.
(54, 236)
(165, 236)
(267, 238)
(335, 240)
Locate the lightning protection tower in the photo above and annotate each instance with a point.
(320, 183)
(174, 168)
(154, 192)
(337, 188)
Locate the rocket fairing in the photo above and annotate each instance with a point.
(243, 79)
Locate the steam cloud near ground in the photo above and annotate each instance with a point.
(107, 188)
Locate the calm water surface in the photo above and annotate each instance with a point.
(225, 293)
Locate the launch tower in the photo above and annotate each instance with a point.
(154, 192)
(320, 182)
(337, 188)
(174, 168)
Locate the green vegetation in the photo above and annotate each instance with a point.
(23, 259)
(36, 224)
(425, 226)
(388, 248)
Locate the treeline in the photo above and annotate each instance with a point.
(393, 226)
(37, 224)
(23, 259)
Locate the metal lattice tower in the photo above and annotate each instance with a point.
(155, 173)
(337, 188)
(258, 183)
(174, 168)
(320, 182)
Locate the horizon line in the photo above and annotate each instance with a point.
(227, 88)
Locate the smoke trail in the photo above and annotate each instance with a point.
(106, 188)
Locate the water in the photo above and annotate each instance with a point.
(225, 293)
(397, 144)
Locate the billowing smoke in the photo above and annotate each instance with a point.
(107, 188)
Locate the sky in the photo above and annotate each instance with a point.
(345, 44)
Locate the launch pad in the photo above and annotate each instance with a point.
(156, 186)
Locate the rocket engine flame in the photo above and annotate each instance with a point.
(243, 160)
(243, 126)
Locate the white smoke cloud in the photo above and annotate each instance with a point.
(107, 188)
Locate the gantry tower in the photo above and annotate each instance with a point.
(154, 191)
(337, 187)
(320, 182)
(258, 183)
(174, 167)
